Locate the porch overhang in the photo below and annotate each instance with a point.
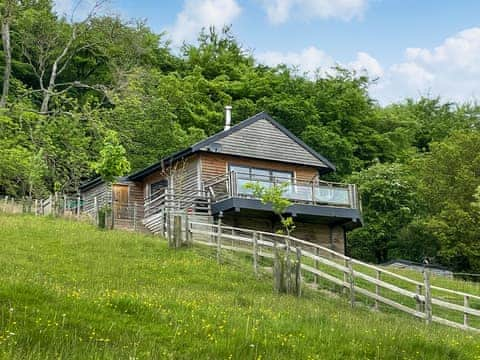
(348, 217)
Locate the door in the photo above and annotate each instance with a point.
(120, 201)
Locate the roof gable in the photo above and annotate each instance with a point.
(265, 139)
(258, 137)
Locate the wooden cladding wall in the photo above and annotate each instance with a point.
(329, 236)
(217, 164)
(183, 175)
(103, 193)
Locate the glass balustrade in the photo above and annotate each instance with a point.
(330, 194)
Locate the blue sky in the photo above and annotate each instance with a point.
(413, 47)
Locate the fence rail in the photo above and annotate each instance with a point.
(361, 281)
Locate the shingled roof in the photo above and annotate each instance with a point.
(259, 136)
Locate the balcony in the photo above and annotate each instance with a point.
(312, 193)
(314, 198)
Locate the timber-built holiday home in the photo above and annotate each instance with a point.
(209, 177)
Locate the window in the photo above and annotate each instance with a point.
(157, 188)
(265, 177)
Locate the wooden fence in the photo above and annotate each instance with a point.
(56, 205)
(363, 282)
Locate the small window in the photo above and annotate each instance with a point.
(266, 177)
(157, 188)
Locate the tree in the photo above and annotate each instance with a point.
(389, 200)
(7, 8)
(113, 161)
(449, 179)
(273, 195)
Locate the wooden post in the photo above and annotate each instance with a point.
(315, 277)
(313, 193)
(42, 209)
(428, 296)
(352, 282)
(78, 207)
(36, 207)
(135, 216)
(277, 271)
(419, 306)
(188, 235)
(255, 253)
(377, 288)
(298, 273)
(219, 240)
(345, 276)
(50, 201)
(177, 231)
(95, 209)
(64, 204)
(5, 204)
(57, 205)
(466, 306)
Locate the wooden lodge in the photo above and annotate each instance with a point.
(207, 181)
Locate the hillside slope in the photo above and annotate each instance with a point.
(68, 290)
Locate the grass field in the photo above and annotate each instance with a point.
(70, 291)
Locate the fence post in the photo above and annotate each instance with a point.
(57, 205)
(377, 288)
(255, 253)
(188, 235)
(315, 277)
(351, 279)
(95, 209)
(287, 273)
(419, 306)
(78, 207)
(64, 204)
(42, 209)
(36, 207)
(298, 272)
(50, 201)
(5, 204)
(177, 231)
(277, 271)
(135, 216)
(466, 306)
(428, 296)
(219, 240)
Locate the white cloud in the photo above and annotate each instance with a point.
(307, 61)
(315, 62)
(450, 70)
(366, 64)
(279, 11)
(202, 13)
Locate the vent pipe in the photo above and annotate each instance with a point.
(228, 117)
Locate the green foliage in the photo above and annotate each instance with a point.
(449, 183)
(112, 162)
(389, 200)
(273, 195)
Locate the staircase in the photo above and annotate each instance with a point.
(159, 210)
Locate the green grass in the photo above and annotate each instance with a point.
(70, 291)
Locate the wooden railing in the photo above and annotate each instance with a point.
(309, 192)
(178, 200)
(363, 282)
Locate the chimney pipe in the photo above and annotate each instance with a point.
(228, 117)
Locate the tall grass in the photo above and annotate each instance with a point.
(70, 291)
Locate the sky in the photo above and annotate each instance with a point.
(412, 47)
